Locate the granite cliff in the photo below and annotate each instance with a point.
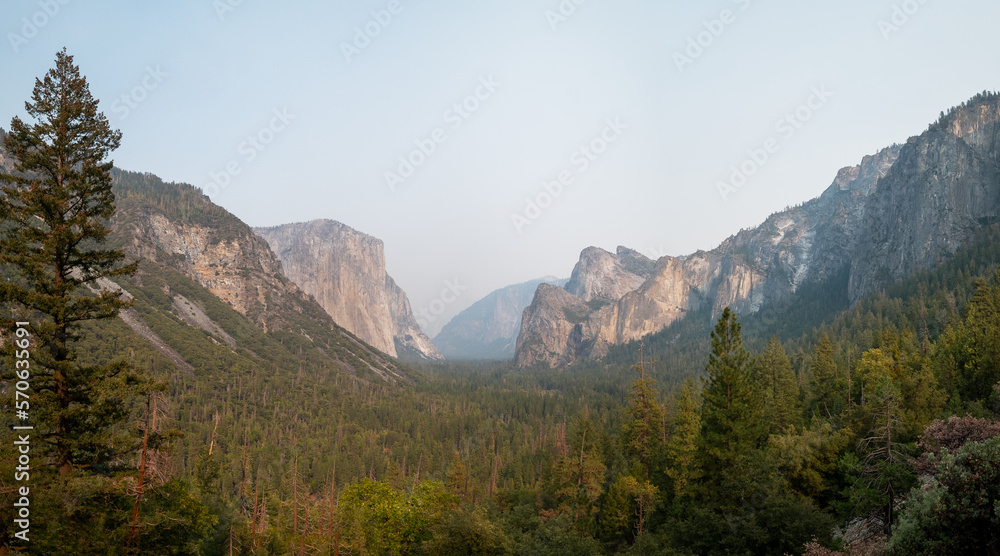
(345, 271)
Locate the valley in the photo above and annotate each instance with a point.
(826, 381)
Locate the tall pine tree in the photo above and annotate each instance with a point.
(642, 431)
(732, 424)
(53, 226)
(780, 388)
(681, 449)
(826, 397)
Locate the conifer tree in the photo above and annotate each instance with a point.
(886, 473)
(579, 473)
(54, 213)
(681, 449)
(732, 427)
(780, 387)
(54, 223)
(458, 477)
(642, 431)
(825, 395)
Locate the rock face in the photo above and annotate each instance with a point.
(944, 187)
(601, 276)
(488, 329)
(550, 328)
(185, 243)
(345, 271)
(898, 211)
(5, 162)
(409, 341)
(232, 263)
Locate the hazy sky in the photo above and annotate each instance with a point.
(300, 109)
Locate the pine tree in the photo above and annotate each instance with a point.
(458, 477)
(578, 474)
(825, 394)
(54, 223)
(681, 449)
(885, 472)
(53, 227)
(780, 387)
(732, 424)
(642, 431)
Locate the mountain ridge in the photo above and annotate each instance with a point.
(851, 226)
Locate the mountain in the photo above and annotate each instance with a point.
(488, 328)
(344, 270)
(210, 293)
(897, 212)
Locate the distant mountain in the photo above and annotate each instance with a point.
(344, 270)
(898, 211)
(488, 329)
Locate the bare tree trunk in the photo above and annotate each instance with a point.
(295, 496)
(134, 527)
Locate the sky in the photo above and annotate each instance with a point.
(488, 142)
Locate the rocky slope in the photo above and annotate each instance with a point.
(488, 328)
(238, 268)
(345, 271)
